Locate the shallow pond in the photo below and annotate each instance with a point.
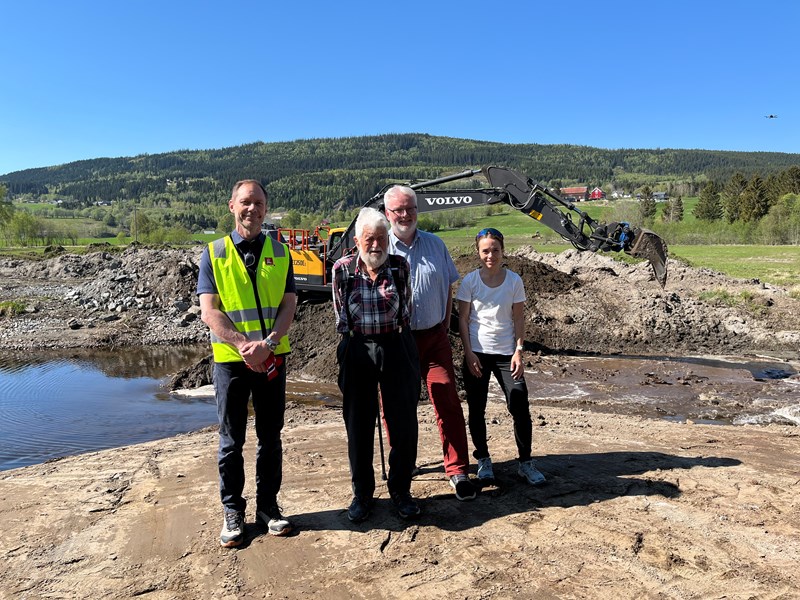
(726, 390)
(60, 403)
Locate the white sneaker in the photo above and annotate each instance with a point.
(528, 471)
(485, 470)
(232, 533)
(271, 518)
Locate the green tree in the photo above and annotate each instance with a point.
(291, 219)
(708, 207)
(23, 229)
(731, 197)
(6, 208)
(225, 223)
(666, 211)
(781, 225)
(790, 181)
(754, 200)
(141, 226)
(676, 210)
(647, 205)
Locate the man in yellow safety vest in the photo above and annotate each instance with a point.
(248, 299)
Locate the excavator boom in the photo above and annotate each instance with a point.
(550, 209)
(519, 192)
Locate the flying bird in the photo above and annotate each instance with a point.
(770, 116)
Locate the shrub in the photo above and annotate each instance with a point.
(11, 308)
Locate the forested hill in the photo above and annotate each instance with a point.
(318, 174)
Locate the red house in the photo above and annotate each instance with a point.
(597, 194)
(575, 194)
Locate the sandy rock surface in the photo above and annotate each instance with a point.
(633, 508)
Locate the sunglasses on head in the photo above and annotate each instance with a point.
(489, 231)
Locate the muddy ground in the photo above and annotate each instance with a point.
(633, 507)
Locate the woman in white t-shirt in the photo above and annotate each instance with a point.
(491, 321)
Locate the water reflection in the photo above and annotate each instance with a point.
(155, 362)
(65, 402)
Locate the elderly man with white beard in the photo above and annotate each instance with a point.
(371, 299)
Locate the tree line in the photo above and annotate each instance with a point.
(319, 174)
(311, 180)
(755, 209)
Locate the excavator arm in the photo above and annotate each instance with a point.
(550, 209)
(531, 198)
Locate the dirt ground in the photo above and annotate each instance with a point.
(634, 507)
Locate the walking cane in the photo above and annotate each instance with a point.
(380, 443)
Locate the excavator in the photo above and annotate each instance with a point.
(314, 253)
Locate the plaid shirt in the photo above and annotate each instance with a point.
(374, 306)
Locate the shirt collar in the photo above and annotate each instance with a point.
(397, 240)
(238, 239)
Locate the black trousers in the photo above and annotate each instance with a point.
(234, 384)
(367, 363)
(516, 393)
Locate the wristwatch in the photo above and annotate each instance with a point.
(271, 344)
(520, 348)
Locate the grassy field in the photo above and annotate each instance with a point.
(773, 264)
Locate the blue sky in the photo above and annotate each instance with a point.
(89, 79)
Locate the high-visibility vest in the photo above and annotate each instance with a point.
(238, 299)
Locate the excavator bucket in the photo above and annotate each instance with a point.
(649, 245)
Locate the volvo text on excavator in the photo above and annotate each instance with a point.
(314, 253)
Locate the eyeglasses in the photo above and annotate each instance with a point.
(489, 231)
(249, 260)
(401, 212)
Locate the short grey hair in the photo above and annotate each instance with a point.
(254, 182)
(372, 218)
(400, 190)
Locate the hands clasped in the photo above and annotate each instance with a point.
(255, 355)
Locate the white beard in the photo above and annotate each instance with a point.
(373, 261)
(402, 231)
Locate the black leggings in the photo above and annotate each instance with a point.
(516, 392)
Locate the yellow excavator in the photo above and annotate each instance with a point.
(315, 252)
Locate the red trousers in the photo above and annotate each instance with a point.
(436, 368)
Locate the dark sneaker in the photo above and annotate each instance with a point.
(528, 471)
(232, 533)
(485, 468)
(271, 518)
(463, 487)
(359, 509)
(406, 506)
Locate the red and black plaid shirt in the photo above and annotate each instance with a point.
(374, 306)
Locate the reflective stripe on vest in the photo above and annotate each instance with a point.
(237, 299)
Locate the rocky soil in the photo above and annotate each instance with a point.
(578, 302)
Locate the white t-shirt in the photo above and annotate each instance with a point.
(491, 326)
